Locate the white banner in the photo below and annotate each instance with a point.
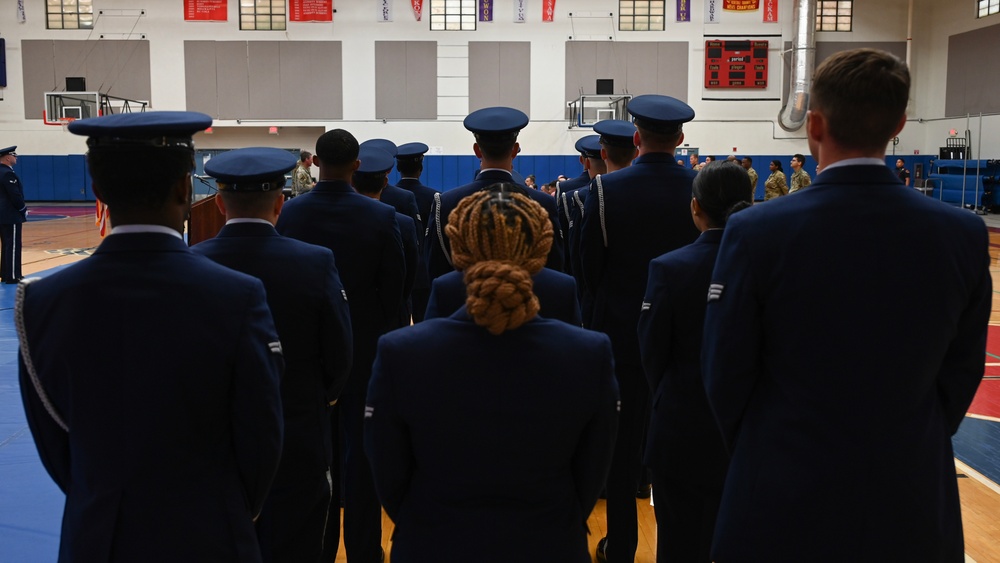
(713, 11)
(520, 11)
(384, 11)
(20, 12)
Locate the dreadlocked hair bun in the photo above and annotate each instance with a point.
(499, 239)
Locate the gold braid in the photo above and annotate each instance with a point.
(499, 240)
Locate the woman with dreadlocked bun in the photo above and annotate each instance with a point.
(498, 291)
(480, 438)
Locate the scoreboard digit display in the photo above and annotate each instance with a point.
(736, 64)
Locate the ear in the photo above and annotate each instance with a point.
(315, 160)
(477, 150)
(636, 139)
(680, 139)
(899, 127)
(220, 204)
(183, 190)
(816, 125)
(695, 207)
(604, 153)
(355, 166)
(279, 202)
(586, 163)
(515, 151)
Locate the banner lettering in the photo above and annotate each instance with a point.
(548, 10)
(683, 10)
(770, 11)
(712, 12)
(485, 10)
(206, 10)
(310, 10)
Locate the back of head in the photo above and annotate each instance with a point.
(500, 238)
(137, 178)
(337, 148)
(721, 190)
(863, 95)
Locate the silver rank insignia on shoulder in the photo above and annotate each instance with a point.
(344, 293)
(646, 305)
(369, 411)
(715, 292)
(618, 405)
(275, 347)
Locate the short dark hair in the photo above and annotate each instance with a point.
(368, 183)
(496, 147)
(863, 94)
(304, 155)
(620, 156)
(410, 167)
(138, 178)
(337, 147)
(748, 159)
(659, 139)
(249, 203)
(799, 158)
(721, 190)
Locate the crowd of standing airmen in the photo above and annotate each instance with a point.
(483, 362)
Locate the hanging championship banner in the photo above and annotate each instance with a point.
(485, 9)
(683, 10)
(520, 11)
(548, 10)
(741, 5)
(206, 10)
(770, 11)
(310, 10)
(713, 13)
(384, 11)
(418, 8)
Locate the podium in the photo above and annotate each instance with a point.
(206, 221)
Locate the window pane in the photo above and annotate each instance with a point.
(657, 23)
(642, 24)
(625, 24)
(627, 11)
(55, 22)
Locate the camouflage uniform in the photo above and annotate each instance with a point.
(775, 185)
(301, 180)
(800, 179)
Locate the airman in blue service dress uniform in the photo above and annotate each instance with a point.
(485, 445)
(630, 217)
(617, 149)
(410, 164)
(13, 214)
(684, 449)
(589, 148)
(365, 240)
(402, 200)
(165, 431)
(496, 146)
(310, 311)
(827, 367)
(370, 179)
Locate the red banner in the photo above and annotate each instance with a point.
(206, 10)
(418, 8)
(548, 10)
(770, 11)
(310, 10)
(741, 5)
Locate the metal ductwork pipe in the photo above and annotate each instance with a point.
(793, 115)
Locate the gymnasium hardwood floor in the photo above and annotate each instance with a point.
(59, 241)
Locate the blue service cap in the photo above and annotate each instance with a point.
(589, 146)
(8, 150)
(250, 170)
(497, 121)
(374, 160)
(616, 132)
(411, 150)
(150, 128)
(384, 144)
(660, 114)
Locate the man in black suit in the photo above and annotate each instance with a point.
(365, 238)
(311, 313)
(826, 366)
(13, 214)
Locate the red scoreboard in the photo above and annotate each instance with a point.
(736, 64)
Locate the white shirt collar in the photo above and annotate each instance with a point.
(131, 229)
(861, 161)
(248, 220)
